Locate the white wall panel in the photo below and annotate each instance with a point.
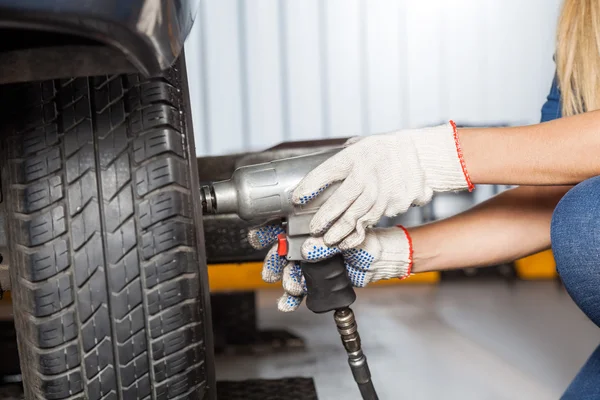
(425, 64)
(464, 61)
(305, 103)
(343, 69)
(223, 73)
(521, 46)
(264, 71)
(385, 64)
(263, 76)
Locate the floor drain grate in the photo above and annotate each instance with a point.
(268, 389)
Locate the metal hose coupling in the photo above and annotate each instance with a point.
(346, 326)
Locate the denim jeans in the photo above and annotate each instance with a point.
(575, 234)
(551, 108)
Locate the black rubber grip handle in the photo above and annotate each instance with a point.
(328, 286)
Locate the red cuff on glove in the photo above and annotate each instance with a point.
(410, 252)
(461, 158)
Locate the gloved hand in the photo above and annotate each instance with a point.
(382, 175)
(385, 253)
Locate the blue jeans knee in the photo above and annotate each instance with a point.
(575, 235)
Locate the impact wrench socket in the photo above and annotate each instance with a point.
(263, 192)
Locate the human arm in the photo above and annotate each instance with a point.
(511, 225)
(517, 222)
(385, 174)
(559, 152)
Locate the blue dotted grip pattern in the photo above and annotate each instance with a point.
(275, 263)
(321, 252)
(357, 261)
(296, 275)
(293, 301)
(309, 197)
(267, 234)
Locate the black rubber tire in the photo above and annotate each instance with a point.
(108, 271)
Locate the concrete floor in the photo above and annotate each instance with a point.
(476, 340)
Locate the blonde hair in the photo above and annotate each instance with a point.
(578, 56)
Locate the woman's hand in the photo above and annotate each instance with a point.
(382, 175)
(275, 267)
(385, 253)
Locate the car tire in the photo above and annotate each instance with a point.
(106, 248)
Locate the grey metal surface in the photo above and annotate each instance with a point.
(463, 341)
(218, 168)
(277, 389)
(226, 235)
(262, 192)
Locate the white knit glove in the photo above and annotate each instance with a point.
(382, 175)
(386, 253)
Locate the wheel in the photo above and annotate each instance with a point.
(106, 249)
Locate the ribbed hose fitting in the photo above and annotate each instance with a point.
(347, 327)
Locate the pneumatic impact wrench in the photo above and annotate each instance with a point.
(263, 192)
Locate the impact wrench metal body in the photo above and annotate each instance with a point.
(263, 192)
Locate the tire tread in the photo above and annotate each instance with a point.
(108, 304)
